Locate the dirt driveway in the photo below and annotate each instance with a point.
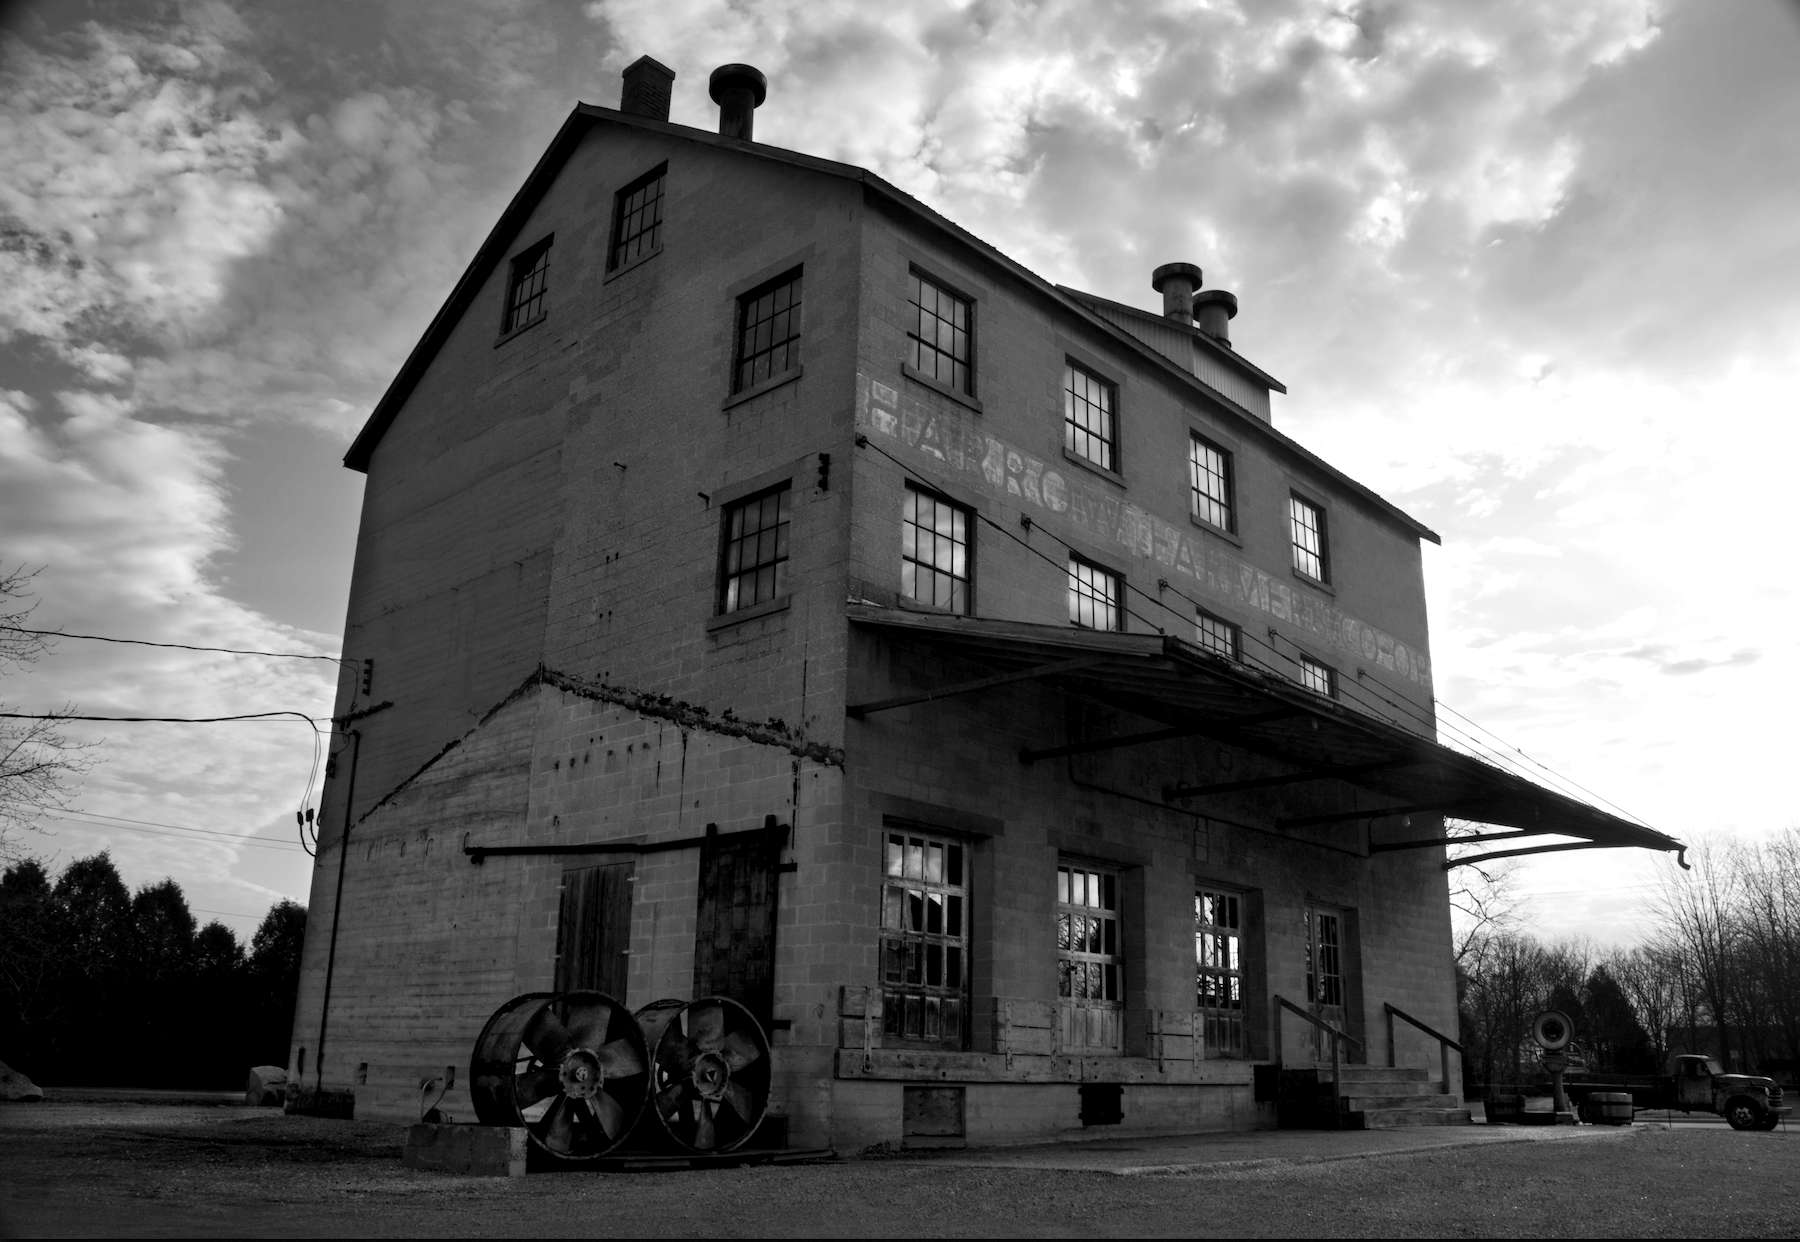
(160, 1170)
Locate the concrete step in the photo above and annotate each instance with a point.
(1361, 1103)
(1378, 1073)
(1398, 1118)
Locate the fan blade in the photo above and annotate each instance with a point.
(619, 1059)
(607, 1112)
(677, 1052)
(742, 1102)
(534, 1085)
(668, 1100)
(548, 1037)
(739, 1050)
(706, 1026)
(705, 1137)
(588, 1021)
(558, 1132)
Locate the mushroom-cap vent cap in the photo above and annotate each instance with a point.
(1219, 297)
(734, 77)
(1161, 275)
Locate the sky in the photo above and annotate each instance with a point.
(1531, 270)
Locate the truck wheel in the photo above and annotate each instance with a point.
(1743, 1113)
(1770, 1121)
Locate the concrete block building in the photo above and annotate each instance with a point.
(766, 588)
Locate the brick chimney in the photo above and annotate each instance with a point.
(647, 87)
(1177, 283)
(1215, 309)
(739, 91)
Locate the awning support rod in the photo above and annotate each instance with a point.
(1427, 842)
(1229, 724)
(1292, 778)
(859, 710)
(1344, 817)
(1540, 849)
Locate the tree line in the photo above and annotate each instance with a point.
(100, 986)
(1719, 973)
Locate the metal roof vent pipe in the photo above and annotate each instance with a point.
(1177, 283)
(647, 86)
(1215, 309)
(739, 91)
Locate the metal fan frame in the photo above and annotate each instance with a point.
(707, 1082)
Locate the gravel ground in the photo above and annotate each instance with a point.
(152, 1170)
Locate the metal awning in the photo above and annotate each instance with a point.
(1195, 693)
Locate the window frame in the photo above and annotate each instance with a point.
(791, 344)
(782, 559)
(894, 961)
(918, 491)
(616, 261)
(1296, 502)
(1211, 1019)
(1073, 432)
(1228, 481)
(916, 343)
(1118, 604)
(1234, 632)
(1111, 964)
(531, 262)
(1309, 667)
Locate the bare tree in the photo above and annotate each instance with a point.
(1484, 898)
(37, 761)
(1770, 939)
(1701, 913)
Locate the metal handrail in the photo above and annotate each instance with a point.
(1445, 1043)
(1337, 1078)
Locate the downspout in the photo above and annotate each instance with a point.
(337, 906)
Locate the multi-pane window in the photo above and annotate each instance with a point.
(637, 218)
(1319, 678)
(1088, 958)
(1219, 973)
(1096, 596)
(940, 336)
(1089, 429)
(934, 551)
(924, 940)
(754, 566)
(1209, 473)
(1307, 521)
(1217, 635)
(525, 291)
(768, 331)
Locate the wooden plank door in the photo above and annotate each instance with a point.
(593, 933)
(734, 936)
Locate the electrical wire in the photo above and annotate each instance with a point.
(158, 719)
(179, 834)
(143, 642)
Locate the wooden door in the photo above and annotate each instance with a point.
(1325, 974)
(734, 936)
(593, 933)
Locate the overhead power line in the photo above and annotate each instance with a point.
(179, 834)
(143, 642)
(158, 719)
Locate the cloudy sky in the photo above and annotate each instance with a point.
(1530, 270)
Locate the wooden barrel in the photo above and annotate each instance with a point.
(1610, 1108)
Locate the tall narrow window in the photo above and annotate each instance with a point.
(1308, 523)
(1219, 973)
(637, 218)
(753, 568)
(934, 551)
(1319, 678)
(1209, 472)
(1096, 596)
(768, 331)
(940, 334)
(525, 289)
(1217, 635)
(924, 940)
(1089, 429)
(1088, 958)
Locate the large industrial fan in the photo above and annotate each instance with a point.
(568, 1066)
(710, 1071)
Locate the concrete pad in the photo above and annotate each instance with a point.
(474, 1151)
(1195, 1153)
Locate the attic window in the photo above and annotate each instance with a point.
(525, 289)
(637, 219)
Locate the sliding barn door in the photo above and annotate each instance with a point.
(593, 935)
(734, 939)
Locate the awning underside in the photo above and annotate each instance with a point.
(1194, 693)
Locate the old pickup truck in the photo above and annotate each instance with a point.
(1698, 1085)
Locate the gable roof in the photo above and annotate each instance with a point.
(585, 116)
